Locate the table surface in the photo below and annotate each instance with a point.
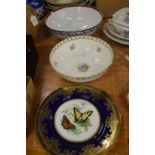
(115, 82)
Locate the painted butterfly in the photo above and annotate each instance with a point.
(66, 123)
(81, 117)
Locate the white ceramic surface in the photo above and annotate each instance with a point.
(122, 17)
(113, 37)
(81, 58)
(112, 30)
(67, 109)
(73, 19)
(70, 20)
(122, 30)
(120, 21)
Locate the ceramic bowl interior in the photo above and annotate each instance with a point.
(81, 57)
(122, 17)
(74, 18)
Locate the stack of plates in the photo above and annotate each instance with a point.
(111, 33)
(53, 7)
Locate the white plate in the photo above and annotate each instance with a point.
(81, 58)
(112, 37)
(113, 31)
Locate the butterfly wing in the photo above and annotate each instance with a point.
(66, 123)
(77, 114)
(85, 115)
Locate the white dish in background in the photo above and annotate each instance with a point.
(112, 30)
(122, 30)
(81, 58)
(74, 20)
(122, 17)
(112, 37)
(120, 21)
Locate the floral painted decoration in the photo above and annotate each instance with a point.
(83, 67)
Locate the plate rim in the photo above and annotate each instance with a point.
(114, 38)
(118, 115)
(111, 29)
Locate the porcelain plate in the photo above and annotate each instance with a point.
(77, 119)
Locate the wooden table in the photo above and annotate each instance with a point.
(115, 82)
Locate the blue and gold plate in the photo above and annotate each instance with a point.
(77, 120)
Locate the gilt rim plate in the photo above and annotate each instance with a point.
(77, 119)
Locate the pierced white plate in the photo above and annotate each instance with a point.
(81, 58)
(113, 37)
(112, 30)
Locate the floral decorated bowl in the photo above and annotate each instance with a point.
(77, 120)
(121, 17)
(120, 21)
(81, 58)
(73, 20)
